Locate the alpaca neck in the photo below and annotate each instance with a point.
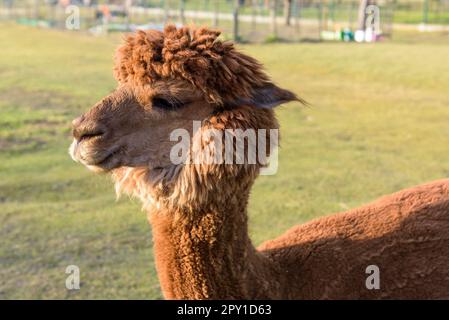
(207, 253)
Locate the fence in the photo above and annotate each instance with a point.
(244, 20)
(426, 11)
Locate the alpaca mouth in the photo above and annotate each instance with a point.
(94, 160)
(104, 164)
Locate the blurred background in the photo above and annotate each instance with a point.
(243, 20)
(376, 74)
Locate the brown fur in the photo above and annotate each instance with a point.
(214, 67)
(198, 211)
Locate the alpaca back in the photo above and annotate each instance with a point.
(405, 235)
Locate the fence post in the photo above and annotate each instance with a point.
(426, 11)
(297, 16)
(182, 8)
(287, 11)
(9, 10)
(235, 15)
(362, 15)
(51, 8)
(273, 17)
(36, 9)
(352, 5)
(320, 18)
(254, 10)
(128, 4)
(166, 11)
(216, 12)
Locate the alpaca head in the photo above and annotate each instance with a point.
(169, 81)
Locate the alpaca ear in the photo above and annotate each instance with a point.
(270, 96)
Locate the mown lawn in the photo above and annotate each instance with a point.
(379, 122)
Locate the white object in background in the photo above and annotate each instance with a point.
(369, 35)
(359, 36)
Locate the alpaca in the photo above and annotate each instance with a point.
(198, 211)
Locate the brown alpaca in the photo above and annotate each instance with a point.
(198, 211)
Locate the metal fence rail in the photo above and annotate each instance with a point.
(244, 20)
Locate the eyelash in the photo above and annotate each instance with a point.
(166, 104)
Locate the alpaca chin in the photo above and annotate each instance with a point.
(96, 169)
(145, 184)
(133, 182)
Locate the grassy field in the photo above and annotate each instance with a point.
(378, 123)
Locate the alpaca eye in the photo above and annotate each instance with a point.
(165, 104)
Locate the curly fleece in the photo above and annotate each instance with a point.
(198, 56)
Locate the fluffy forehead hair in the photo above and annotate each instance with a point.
(213, 66)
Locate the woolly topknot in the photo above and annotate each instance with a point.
(196, 55)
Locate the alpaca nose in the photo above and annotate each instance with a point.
(83, 129)
(77, 122)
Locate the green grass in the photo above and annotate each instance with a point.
(378, 123)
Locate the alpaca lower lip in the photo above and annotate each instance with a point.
(105, 165)
(105, 161)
